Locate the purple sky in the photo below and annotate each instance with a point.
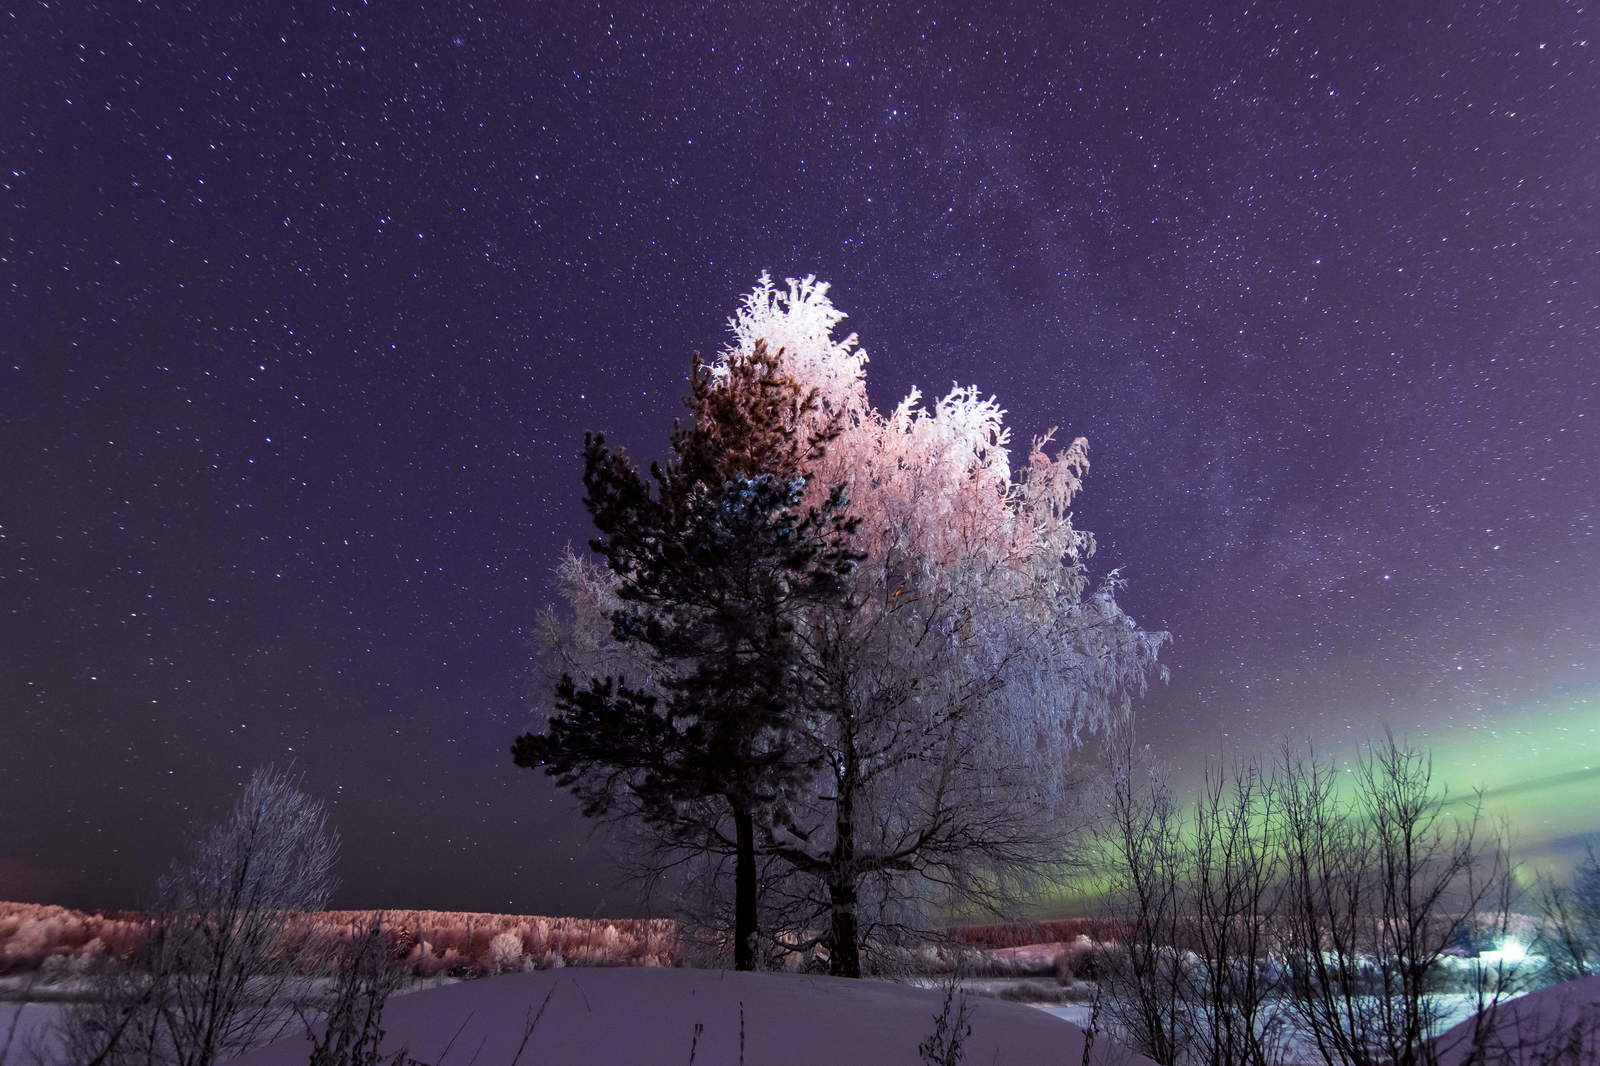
(306, 314)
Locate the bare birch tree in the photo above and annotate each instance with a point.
(1382, 880)
(1142, 971)
(1234, 884)
(208, 980)
(1570, 937)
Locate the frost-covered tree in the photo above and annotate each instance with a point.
(712, 562)
(217, 956)
(974, 659)
(945, 695)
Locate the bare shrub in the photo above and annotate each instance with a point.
(951, 1027)
(1570, 938)
(1231, 887)
(365, 978)
(1336, 902)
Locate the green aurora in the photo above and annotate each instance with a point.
(1537, 771)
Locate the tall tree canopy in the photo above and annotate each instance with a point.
(938, 694)
(973, 659)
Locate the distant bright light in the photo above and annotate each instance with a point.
(1510, 952)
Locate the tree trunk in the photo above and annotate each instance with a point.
(844, 941)
(844, 933)
(744, 890)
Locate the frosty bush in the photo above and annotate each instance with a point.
(29, 942)
(505, 953)
(537, 936)
(1079, 959)
(30, 932)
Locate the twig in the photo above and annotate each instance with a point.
(1093, 1028)
(586, 1004)
(446, 1052)
(530, 1020)
(950, 1031)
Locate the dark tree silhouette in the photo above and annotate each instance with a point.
(716, 560)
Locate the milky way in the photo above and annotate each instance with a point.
(306, 314)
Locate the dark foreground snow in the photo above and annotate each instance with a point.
(647, 1016)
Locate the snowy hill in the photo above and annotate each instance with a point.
(1551, 1027)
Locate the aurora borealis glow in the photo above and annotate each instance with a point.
(1539, 769)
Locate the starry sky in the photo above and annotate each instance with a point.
(307, 307)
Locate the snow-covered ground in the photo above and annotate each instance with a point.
(1528, 1029)
(624, 1016)
(26, 1032)
(645, 1017)
(1076, 1013)
(22, 1025)
(29, 1009)
(1299, 1049)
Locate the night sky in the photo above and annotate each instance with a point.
(307, 307)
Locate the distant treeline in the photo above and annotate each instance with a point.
(1024, 934)
(38, 937)
(58, 940)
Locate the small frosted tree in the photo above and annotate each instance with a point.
(216, 956)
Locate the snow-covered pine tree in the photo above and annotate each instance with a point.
(711, 562)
